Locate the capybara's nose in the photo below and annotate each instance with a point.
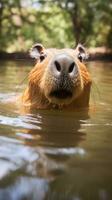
(64, 64)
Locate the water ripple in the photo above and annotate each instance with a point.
(19, 122)
(65, 151)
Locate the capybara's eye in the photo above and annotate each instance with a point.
(42, 58)
(80, 57)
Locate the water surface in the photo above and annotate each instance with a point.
(55, 154)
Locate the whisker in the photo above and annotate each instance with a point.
(21, 83)
(94, 87)
(93, 97)
(97, 89)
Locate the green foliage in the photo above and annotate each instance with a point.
(54, 23)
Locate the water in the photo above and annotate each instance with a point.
(55, 155)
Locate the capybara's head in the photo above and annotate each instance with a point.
(59, 76)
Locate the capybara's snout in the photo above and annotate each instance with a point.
(64, 72)
(63, 64)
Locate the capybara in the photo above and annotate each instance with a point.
(59, 79)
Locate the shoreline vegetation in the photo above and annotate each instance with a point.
(98, 53)
(55, 23)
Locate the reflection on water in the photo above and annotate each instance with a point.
(25, 188)
(56, 155)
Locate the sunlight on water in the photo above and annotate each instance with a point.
(51, 154)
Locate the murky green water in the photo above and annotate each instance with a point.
(55, 155)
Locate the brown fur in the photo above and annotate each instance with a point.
(34, 96)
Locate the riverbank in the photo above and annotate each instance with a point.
(99, 53)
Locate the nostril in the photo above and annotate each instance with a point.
(58, 67)
(71, 67)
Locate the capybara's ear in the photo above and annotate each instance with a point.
(38, 52)
(81, 53)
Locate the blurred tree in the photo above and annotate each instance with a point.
(91, 19)
(12, 16)
(56, 23)
(81, 17)
(103, 22)
(23, 23)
